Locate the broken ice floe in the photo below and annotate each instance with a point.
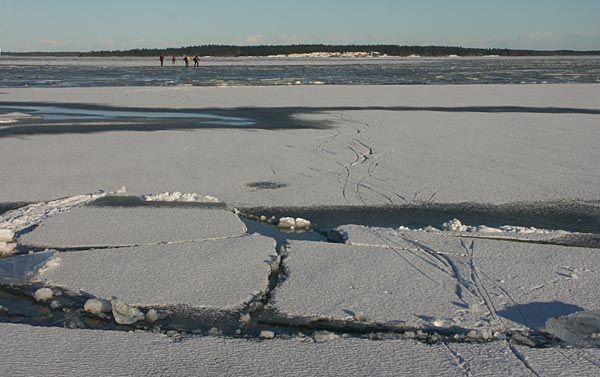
(196, 274)
(469, 283)
(342, 282)
(87, 227)
(581, 329)
(20, 269)
(179, 197)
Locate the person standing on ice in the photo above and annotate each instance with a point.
(186, 60)
(174, 59)
(162, 59)
(196, 61)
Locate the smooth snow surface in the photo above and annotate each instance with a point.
(386, 145)
(101, 226)
(221, 274)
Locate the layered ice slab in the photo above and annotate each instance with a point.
(86, 227)
(52, 351)
(221, 274)
(520, 284)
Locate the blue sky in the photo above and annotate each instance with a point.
(83, 25)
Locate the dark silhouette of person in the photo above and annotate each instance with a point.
(196, 61)
(162, 59)
(174, 59)
(186, 59)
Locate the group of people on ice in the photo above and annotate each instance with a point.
(186, 60)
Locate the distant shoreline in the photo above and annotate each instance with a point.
(319, 51)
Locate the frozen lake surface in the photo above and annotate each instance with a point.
(85, 72)
(464, 217)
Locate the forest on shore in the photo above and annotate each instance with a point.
(270, 50)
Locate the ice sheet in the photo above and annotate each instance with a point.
(522, 284)
(221, 274)
(397, 288)
(516, 151)
(103, 226)
(51, 351)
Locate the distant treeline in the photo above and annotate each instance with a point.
(391, 50)
(266, 50)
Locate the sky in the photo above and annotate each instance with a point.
(85, 25)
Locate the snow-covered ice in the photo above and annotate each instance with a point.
(521, 283)
(376, 152)
(366, 146)
(338, 282)
(103, 226)
(59, 352)
(219, 274)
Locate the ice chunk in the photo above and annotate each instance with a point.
(43, 294)
(7, 248)
(325, 336)
(266, 334)
(125, 314)
(302, 223)
(98, 306)
(287, 222)
(154, 315)
(293, 223)
(19, 269)
(454, 225)
(581, 329)
(6, 235)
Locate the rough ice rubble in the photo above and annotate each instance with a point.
(293, 223)
(179, 197)
(581, 329)
(98, 306)
(33, 214)
(455, 225)
(125, 314)
(7, 242)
